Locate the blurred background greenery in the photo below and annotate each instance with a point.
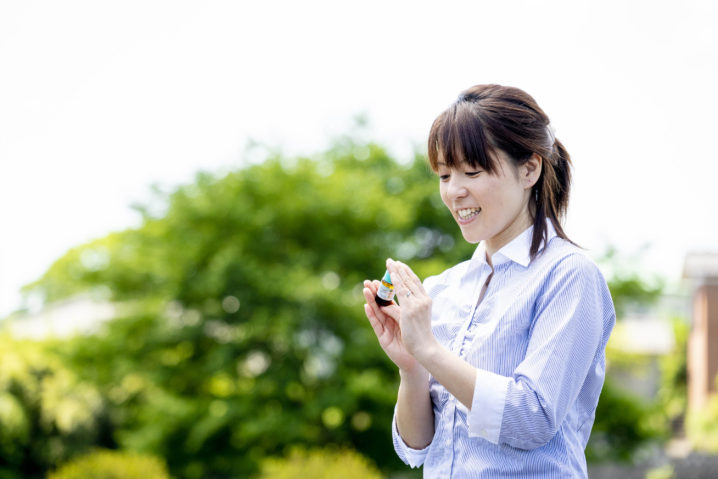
(238, 346)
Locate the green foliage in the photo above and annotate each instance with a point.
(672, 394)
(319, 464)
(624, 423)
(628, 287)
(702, 426)
(242, 330)
(47, 413)
(112, 465)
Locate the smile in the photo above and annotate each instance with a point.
(467, 214)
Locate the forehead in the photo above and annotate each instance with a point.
(499, 160)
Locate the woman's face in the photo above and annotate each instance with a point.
(489, 207)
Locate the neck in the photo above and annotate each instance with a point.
(518, 226)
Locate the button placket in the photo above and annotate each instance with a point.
(468, 333)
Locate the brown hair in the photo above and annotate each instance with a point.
(486, 118)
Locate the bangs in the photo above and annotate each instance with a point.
(457, 136)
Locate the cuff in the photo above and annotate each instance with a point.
(487, 407)
(410, 456)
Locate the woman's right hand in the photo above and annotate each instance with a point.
(385, 322)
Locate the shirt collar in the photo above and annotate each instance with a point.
(517, 250)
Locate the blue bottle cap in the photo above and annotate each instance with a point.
(387, 278)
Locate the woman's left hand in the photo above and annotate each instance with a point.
(415, 318)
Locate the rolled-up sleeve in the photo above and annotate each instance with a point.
(487, 407)
(526, 410)
(411, 457)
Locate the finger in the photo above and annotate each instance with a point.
(400, 285)
(371, 301)
(408, 276)
(370, 285)
(376, 325)
(402, 273)
(369, 295)
(388, 316)
(397, 279)
(391, 312)
(373, 287)
(408, 279)
(385, 332)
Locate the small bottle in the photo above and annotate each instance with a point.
(385, 294)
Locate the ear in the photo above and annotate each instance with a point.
(531, 171)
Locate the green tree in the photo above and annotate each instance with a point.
(625, 423)
(629, 288)
(242, 330)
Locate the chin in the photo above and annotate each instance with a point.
(470, 238)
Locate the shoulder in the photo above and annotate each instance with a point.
(573, 284)
(562, 257)
(567, 268)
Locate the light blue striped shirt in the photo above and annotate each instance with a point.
(538, 341)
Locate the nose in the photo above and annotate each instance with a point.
(456, 187)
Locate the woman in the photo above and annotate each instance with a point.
(501, 357)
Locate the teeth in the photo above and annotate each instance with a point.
(468, 212)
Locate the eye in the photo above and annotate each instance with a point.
(444, 177)
(472, 174)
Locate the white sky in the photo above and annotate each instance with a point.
(98, 100)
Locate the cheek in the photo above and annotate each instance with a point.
(511, 204)
(442, 193)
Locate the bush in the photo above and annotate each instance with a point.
(624, 424)
(47, 413)
(319, 464)
(104, 464)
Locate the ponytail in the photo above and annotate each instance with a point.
(550, 195)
